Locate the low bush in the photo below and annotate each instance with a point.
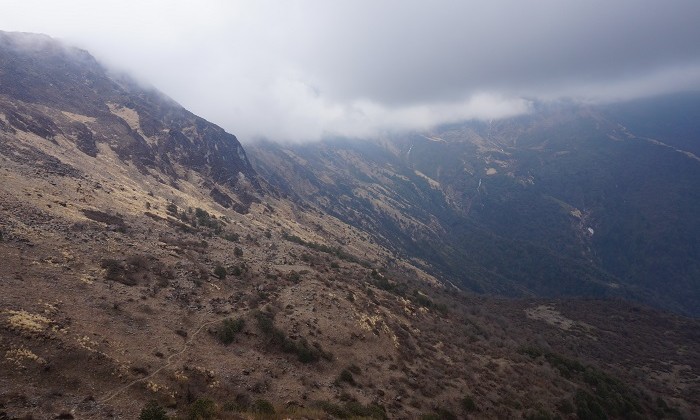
(240, 403)
(232, 237)
(439, 414)
(202, 409)
(228, 330)
(171, 208)
(220, 272)
(468, 403)
(262, 407)
(352, 409)
(277, 339)
(153, 411)
(345, 376)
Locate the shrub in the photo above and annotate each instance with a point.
(333, 409)
(115, 268)
(352, 409)
(130, 272)
(345, 376)
(220, 272)
(238, 252)
(608, 395)
(262, 407)
(276, 338)
(137, 262)
(153, 411)
(106, 218)
(232, 237)
(240, 403)
(294, 277)
(440, 413)
(304, 353)
(468, 403)
(587, 407)
(228, 330)
(539, 414)
(371, 410)
(202, 409)
(565, 406)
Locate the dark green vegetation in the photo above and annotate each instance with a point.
(199, 218)
(261, 406)
(336, 251)
(468, 404)
(202, 409)
(136, 269)
(220, 272)
(276, 339)
(153, 411)
(228, 329)
(600, 396)
(383, 281)
(352, 409)
(567, 201)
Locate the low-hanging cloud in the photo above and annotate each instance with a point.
(301, 70)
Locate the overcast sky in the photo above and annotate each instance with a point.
(299, 70)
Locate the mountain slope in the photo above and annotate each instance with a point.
(63, 94)
(139, 264)
(566, 201)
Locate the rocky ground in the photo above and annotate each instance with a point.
(116, 290)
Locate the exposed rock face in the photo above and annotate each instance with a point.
(56, 91)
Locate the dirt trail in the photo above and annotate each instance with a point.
(168, 362)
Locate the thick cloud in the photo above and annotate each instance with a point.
(297, 70)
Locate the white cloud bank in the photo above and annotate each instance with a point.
(298, 70)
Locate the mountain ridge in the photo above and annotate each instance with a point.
(145, 126)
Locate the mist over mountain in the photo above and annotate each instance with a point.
(520, 267)
(140, 125)
(567, 201)
(300, 71)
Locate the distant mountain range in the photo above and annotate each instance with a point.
(570, 200)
